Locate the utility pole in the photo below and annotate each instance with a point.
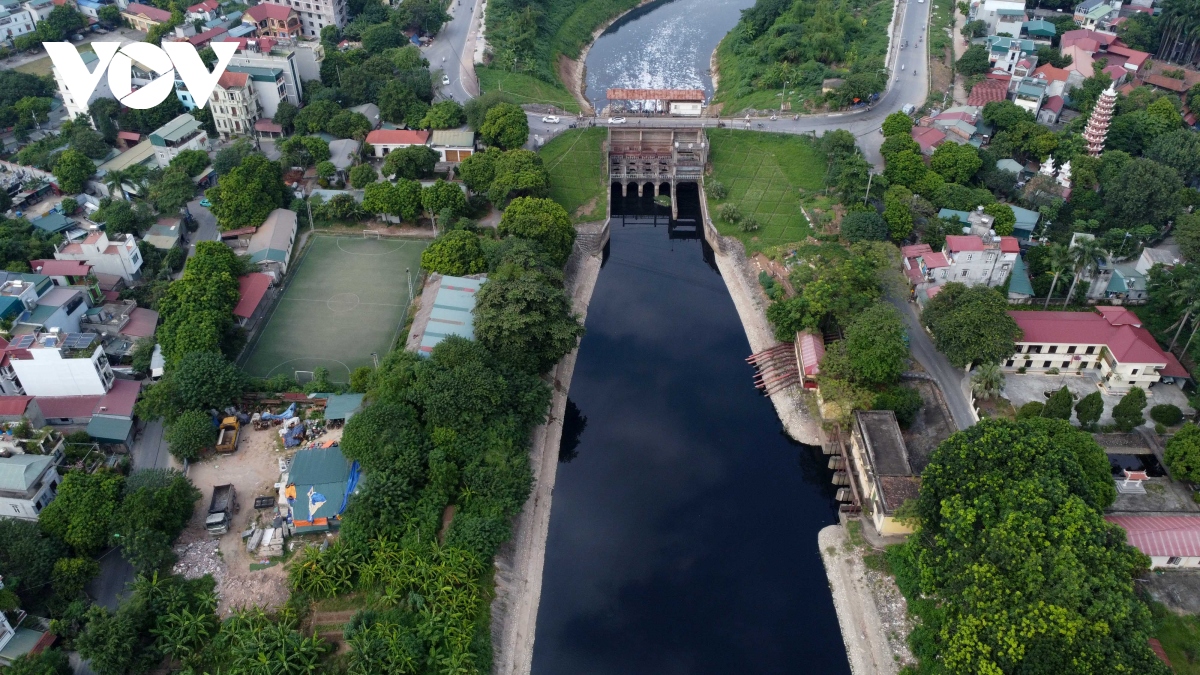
(870, 177)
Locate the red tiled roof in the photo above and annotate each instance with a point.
(1054, 104)
(914, 250)
(963, 242)
(233, 234)
(229, 80)
(913, 271)
(1010, 245)
(129, 135)
(1119, 316)
(1162, 535)
(14, 406)
(987, 91)
(53, 407)
(207, 5)
(999, 77)
(1072, 37)
(1167, 83)
(265, 124)
(1051, 74)
(935, 260)
(397, 137)
(251, 289)
(201, 39)
(928, 137)
(266, 10)
(1115, 72)
(1132, 56)
(119, 400)
(812, 350)
(142, 323)
(111, 296)
(930, 292)
(1127, 342)
(152, 13)
(60, 268)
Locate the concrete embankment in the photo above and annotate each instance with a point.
(573, 72)
(863, 628)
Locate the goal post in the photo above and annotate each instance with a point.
(372, 234)
(304, 376)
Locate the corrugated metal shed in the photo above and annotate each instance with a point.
(452, 314)
(342, 406)
(655, 94)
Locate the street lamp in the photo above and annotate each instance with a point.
(783, 95)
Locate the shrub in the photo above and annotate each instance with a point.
(1128, 413)
(904, 401)
(1059, 405)
(1089, 409)
(716, 189)
(1166, 414)
(748, 224)
(1031, 409)
(730, 213)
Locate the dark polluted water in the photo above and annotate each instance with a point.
(683, 536)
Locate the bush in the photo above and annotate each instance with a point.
(730, 213)
(1128, 413)
(1166, 414)
(748, 224)
(1089, 409)
(716, 189)
(904, 401)
(1059, 405)
(860, 225)
(1031, 409)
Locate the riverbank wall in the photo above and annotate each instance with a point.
(520, 562)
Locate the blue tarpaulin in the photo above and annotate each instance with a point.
(285, 415)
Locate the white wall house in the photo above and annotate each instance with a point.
(316, 14)
(119, 257)
(28, 483)
(1001, 16)
(1170, 541)
(182, 133)
(45, 367)
(234, 105)
(386, 141)
(15, 21)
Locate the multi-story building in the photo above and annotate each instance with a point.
(1001, 16)
(1097, 14)
(55, 364)
(234, 105)
(144, 17)
(182, 133)
(15, 21)
(76, 107)
(203, 11)
(298, 63)
(119, 257)
(273, 21)
(316, 14)
(880, 468)
(28, 482)
(39, 9)
(1111, 341)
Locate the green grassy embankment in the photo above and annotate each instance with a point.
(575, 161)
(520, 88)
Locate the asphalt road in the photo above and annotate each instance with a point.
(449, 54)
(949, 378)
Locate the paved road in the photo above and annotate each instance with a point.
(452, 51)
(949, 378)
(206, 229)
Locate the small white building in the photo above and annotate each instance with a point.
(1001, 16)
(15, 21)
(57, 364)
(453, 145)
(1169, 541)
(27, 482)
(1157, 256)
(119, 257)
(386, 141)
(182, 133)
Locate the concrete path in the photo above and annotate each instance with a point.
(862, 627)
(949, 378)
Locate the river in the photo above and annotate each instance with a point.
(683, 538)
(663, 45)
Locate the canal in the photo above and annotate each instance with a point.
(683, 536)
(663, 45)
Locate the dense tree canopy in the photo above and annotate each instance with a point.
(523, 316)
(246, 195)
(456, 252)
(971, 324)
(542, 221)
(505, 127)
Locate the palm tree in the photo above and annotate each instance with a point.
(1188, 294)
(1058, 260)
(1084, 254)
(987, 381)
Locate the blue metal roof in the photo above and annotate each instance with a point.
(1018, 281)
(452, 313)
(950, 214)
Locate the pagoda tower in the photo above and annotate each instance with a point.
(1097, 126)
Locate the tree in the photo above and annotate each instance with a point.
(897, 124)
(877, 345)
(1166, 414)
(905, 168)
(1058, 260)
(477, 108)
(446, 114)
(110, 14)
(191, 434)
(71, 575)
(285, 114)
(107, 643)
(415, 161)
(988, 381)
(974, 61)
(443, 197)
(974, 29)
(518, 173)
(245, 196)
(231, 157)
(1182, 454)
(326, 169)
(525, 318)
(956, 163)
(478, 170)
(362, 175)
(1144, 192)
(172, 191)
(314, 117)
(49, 661)
(73, 171)
(1084, 255)
(398, 103)
(191, 162)
(860, 225)
(897, 213)
(1127, 414)
(1180, 150)
(27, 557)
(543, 221)
(971, 324)
(401, 199)
(349, 124)
(1089, 409)
(304, 151)
(505, 126)
(1004, 218)
(456, 253)
(1059, 405)
(82, 513)
(206, 380)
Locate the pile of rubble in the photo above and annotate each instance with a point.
(198, 559)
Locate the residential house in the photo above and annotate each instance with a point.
(271, 245)
(453, 145)
(1012, 166)
(14, 408)
(1090, 40)
(879, 466)
(386, 140)
(182, 133)
(1004, 53)
(316, 14)
(252, 290)
(369, 111)
(19, 294)
(56, 364)
(1170, 541)
(15, 21)
(1001, 16)
(986, 91)
(453, 314)
(234, 105)
(1040, 30)
(202, 39)
(1127, 286)
(273, 21)
(1157, 256)
(1081, 63)
(1097, 14)
(1029, 94)
(52, 222)
(976, 260)
(1132, 60)
(28, 482)
(119, 257)
(1059, 81)
(73, 106)
(203, 11)
(298, 62)
(120, 325)
(928, 138)
(1027, 220)
(17, 641)
(316, 487)
(342, 153)
(60, 308)
(1111, 342)
(140, 154)
(144, 17)
(1051, 110)
(164, 235)
(1020, 289)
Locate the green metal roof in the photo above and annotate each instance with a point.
(19, 472)
(1018, 280)
(1041, 28)
(110, 429)
(10, 306)
(453, 312)
(258, 74)
(1010, 165)
(1026, 219)
(23, 641)
(40, 313)
(951, 214)
(324, 471)
(1126, 278)
(268, 254)
(53, 222)
(343, 406)
(175, 130)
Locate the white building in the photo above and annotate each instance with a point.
(39, 9)
(15, 21)
(74, 107)
(316, 14)
(203, 11)
(976, 260)
(386, 141)
(28, 483)
(57, 364)
(119, 257)
(299, 62)
(234, 105)
(1001, 16)
(182, 133)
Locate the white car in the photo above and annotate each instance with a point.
(445, 80)
(550, 119)
(616, 120)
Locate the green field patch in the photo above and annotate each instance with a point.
(578, 180)
(520, 88)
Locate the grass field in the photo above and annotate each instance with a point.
(575, 161)
(346, 300)
(1180, 638)
(764, 174)
(521, 88)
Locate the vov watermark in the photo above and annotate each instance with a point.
(172, 58)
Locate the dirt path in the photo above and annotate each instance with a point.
(960, 46)
(520, 562)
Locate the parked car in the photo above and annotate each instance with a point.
(550, 119)
(205, 203)
(616, 120)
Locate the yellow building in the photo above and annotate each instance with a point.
(880, 468)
